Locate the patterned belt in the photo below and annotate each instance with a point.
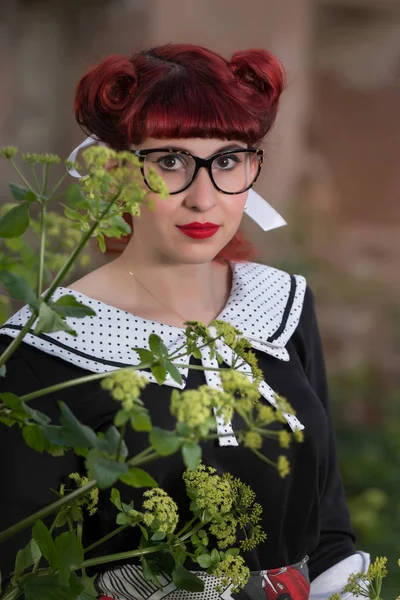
(285, 583)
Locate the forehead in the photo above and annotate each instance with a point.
(198, 146)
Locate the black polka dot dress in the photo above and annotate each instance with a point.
(304, 514)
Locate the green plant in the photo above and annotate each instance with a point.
(226, 507)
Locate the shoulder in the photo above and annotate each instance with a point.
(279, 290)
(268, 277)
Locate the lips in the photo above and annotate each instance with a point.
(199, 230)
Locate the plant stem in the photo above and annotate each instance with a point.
(198, 367)
(106, 537)
(75, 253)
(134, 553)
(15, 593)
(47, 510)
(262, 457)
(35, 178)
(134, 461)
(42, 248)
(45, 178)
(55, 188)
(18, 172)
(11, 348)
(60, 275)
(78, 381)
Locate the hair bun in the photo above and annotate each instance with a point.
(104, 93)
(261, 70)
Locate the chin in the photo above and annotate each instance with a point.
(197, 255)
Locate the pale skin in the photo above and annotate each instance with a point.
(175, 268)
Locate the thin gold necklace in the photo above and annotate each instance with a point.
(166, 305)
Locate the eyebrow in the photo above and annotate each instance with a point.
(221, 149)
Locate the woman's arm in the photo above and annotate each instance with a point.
(335, 550)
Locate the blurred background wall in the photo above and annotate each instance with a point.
(332, 169)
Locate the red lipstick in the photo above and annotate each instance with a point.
(199, 231)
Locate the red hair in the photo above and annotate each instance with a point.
(181, 91)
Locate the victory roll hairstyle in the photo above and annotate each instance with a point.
(182, 91)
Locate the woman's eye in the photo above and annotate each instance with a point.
(227, 162)
(171, 162)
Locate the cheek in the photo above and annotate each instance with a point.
(156, 214)
(234, 205)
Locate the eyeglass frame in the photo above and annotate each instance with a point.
(201, 162)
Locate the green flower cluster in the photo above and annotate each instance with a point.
(229, 505)
(369, 584)
(91, 500)
(283, 466)
(8, 152)
(209, 492)
(125, 387)
(161, 512)
(41, 159)
(195, 408)
(240, 345)
(239, 385)
(245, 515)
(232, 570)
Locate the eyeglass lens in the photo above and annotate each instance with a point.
(232, 173)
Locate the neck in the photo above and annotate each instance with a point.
(194, 292)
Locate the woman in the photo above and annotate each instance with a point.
(199, 120)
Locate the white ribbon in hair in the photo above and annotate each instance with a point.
(257, 208)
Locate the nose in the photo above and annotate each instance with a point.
(201, 195)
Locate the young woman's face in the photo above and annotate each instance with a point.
(160, 232)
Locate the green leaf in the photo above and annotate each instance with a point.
(21, 408)
(110, 442)
(3, 371)
(73, 214)
(215, 557)
(173, 371)
(26, 557)
(159, 372)
(89, 591)
(101, 242)
(68, 306)
(19, 192)
(157, 346)
(165, 442)
(15, 222)
(191, 453)
(19, 289)
(138, 478)
(116, 498)
(75, 197)
(50, 321)
(150, 570)
(36, 439)
(232, 552)
(104, 469)
(69, 554)
(120, 225)
(77, 434)
(186, 580)
(140, 419)
(121, 417)
(145, 355)
(47, 587)
(42, 537)
(204, 560)
(158, 536)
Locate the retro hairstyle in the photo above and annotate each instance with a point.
(181, 91)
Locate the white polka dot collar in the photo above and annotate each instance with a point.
(265, 305)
